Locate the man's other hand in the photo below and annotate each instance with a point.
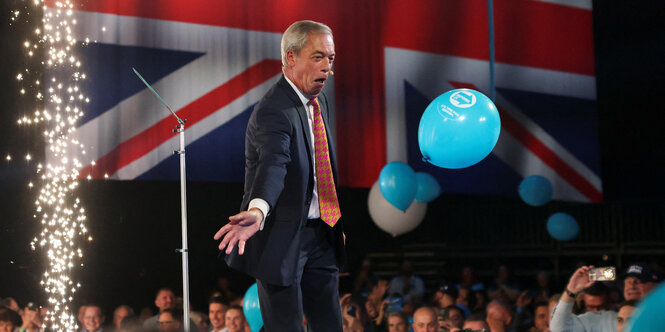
(240, 228)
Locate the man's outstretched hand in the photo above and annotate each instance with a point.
(240, 228)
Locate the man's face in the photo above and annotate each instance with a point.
(632, 289)
(168, 323)
(425, 321)
(6, 326)
(623, 315)
(594, 303)
(456, 318)
(396, 324)
(311, 67)
(235, 321)
(120, 314)
(165, 300)
(216, 312)
(542, 319)
(93, 318)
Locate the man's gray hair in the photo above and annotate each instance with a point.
(295, 36)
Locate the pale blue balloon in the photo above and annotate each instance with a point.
(428, 188)
(535, 190)
(458, 129)
(252, 309)
(562, 226)
(649, 313)
(398, 185)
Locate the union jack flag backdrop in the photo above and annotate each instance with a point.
(213, 59)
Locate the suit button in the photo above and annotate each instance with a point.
(307, 202)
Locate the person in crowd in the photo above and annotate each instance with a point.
(541, 317)
(626, 310)
(397, 322)
(32, 321)
(475, 322)
(165, 299)
(469, 280)
(120, 313)
(595, 298)
(481, 300)
(563, 319)
(131, 324)
(217, 307)
(353, 318)
(445, 296)
(9, 319)
(170, 320)
(200, 319)
(365, 280)
(503, 288)
(411, 287)
(639, 281)
(465, 300)
(424, 320)
(235, 319)
(543, 288)
(93, 318)
(499, 317)
(10, 303)
(453, 316)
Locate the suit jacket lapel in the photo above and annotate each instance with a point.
(302, 114)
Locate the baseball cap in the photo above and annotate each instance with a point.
(642, 272)
(448, 289)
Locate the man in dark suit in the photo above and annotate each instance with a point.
(289, 236)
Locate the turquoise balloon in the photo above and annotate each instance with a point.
(397, 182)
(428, 188)
(458, 129)
(562, 226)
(649, 313)
(535, 190)
(251, 308)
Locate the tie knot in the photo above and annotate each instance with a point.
(314, 104)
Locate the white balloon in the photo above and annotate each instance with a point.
(389, 218)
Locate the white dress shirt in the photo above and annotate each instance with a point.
(314, 211)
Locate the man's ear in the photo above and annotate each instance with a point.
(291, 58)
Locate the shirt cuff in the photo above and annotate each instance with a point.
(261, 205)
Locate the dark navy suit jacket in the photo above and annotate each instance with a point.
(279, 169)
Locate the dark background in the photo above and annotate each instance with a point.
(136, 225)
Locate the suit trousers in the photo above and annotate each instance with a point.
(314, 292)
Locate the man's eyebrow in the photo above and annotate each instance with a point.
(322, 53)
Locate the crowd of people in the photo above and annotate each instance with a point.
(399, 304)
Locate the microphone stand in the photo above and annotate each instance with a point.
(180, 129)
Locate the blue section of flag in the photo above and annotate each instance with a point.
(489, 176)
(114, 80)
(573, 122)
(217, 156)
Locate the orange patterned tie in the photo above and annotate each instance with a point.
(325, 183)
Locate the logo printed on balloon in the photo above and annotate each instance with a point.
(463, 99)
(448, 112)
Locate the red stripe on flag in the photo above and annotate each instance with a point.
(527, 33)
(543, 152)
(146, 141)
